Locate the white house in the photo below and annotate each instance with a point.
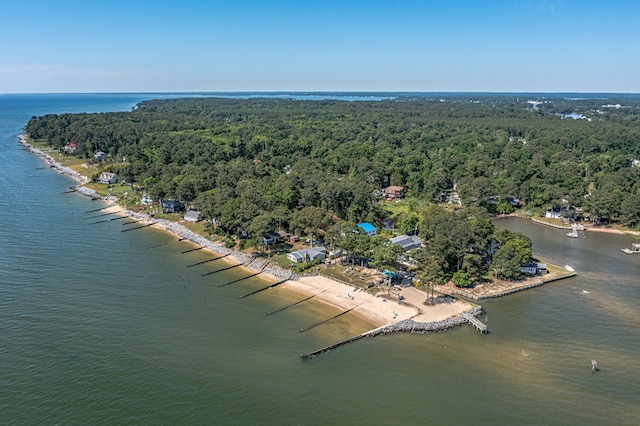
(108, 178)
(534, 268)
(308, 255)
(146, 200)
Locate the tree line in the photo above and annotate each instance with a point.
(307, 166)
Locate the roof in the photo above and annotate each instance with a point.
(311, 252)
(366, 227)
(192, 215)
(406, 241)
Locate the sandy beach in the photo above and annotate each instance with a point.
(377, 310)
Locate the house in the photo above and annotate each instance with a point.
(553, 214)
(192, 216)
(406, 242)
(282, 236)
(534, 268)
(99, 156)
(108, 178)
(70, 148)
(146, 200)
(171, 206)
(269, 239)
(308, 255)
(368, 228)
(393, 191)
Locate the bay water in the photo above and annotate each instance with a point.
(99, 326)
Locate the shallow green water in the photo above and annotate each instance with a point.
(98, 328)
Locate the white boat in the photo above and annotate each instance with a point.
(635, 248)
(569, 268)
(574, 231)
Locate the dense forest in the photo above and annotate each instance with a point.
(260, 164)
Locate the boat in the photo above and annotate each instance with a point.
(635, 248)
(574, 231)
(569, 268)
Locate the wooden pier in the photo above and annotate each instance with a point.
(294, 303)
(193, 249)
(264, 288)
(302, 330)
(482, 327)
(103, 214)
(220, 270)
(207, 261)
(239, 279)
(138, 227)
(109, 220)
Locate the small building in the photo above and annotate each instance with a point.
(553, 214)
(406, 242)
(70, 148)
(308, 255)
(108, 178)
(269, 239)
(368, 228)
(192, 216)
(534, 268)
(99, 156)
(171, 206)
(146, 200)
(282, 236)
(391, 192)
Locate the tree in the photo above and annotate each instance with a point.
(384, 255)
(462, 279)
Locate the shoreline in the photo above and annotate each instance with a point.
(377, 311)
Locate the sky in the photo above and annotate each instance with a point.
(69, 46)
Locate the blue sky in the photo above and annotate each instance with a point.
(319, 45)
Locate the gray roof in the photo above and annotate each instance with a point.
(406, 242)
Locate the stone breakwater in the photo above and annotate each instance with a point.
(411, 326)
(51, 162)
(404, 326)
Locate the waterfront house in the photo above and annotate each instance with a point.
(146, 200)
(308, 255)
(192, 216)
(171, 206)
(368, 228)
(406, 242)
(108, 178)
(534, 268)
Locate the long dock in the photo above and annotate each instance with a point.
(239, 279)
(264, 288)
(482, 327)
(302, 330)
(220, 270)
